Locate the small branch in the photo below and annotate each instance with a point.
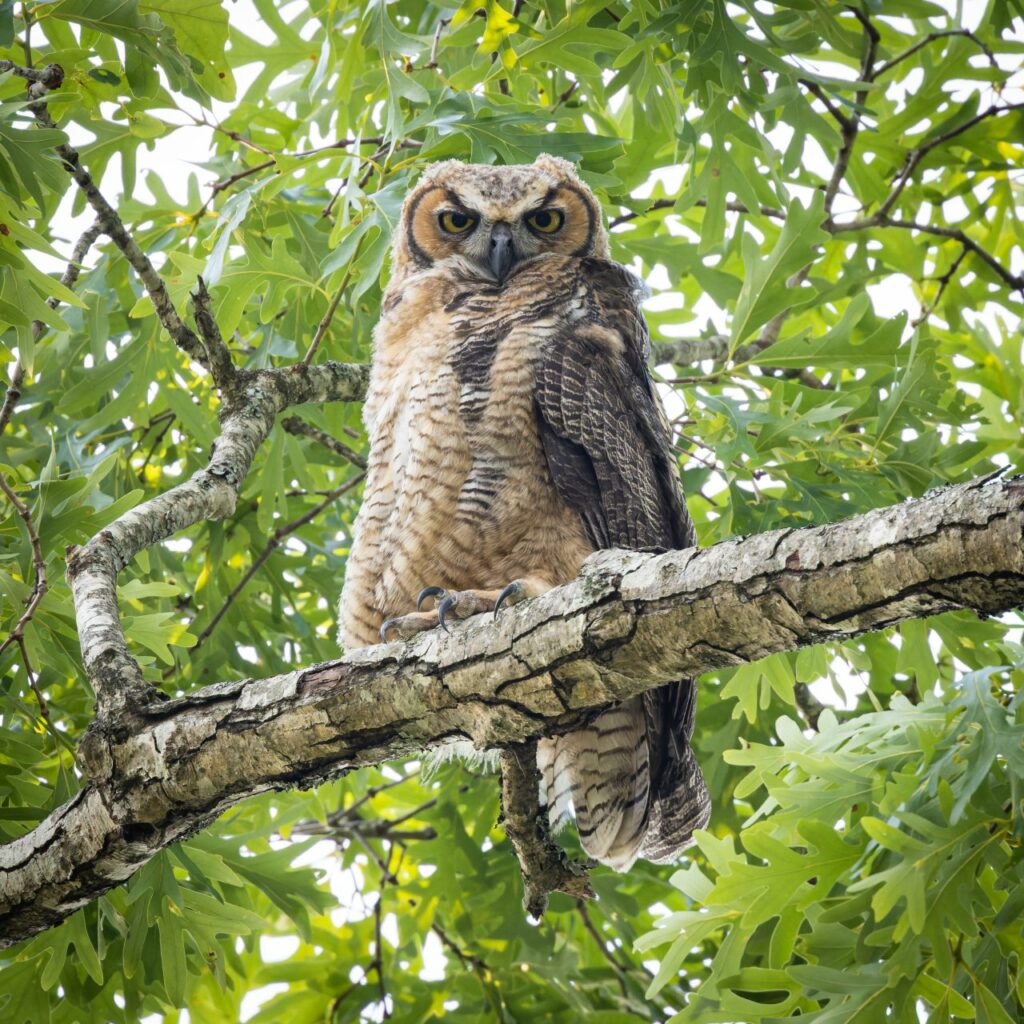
(667, 204)
(332, 306)
(346, 823)
(218, 358)
(281, 534)
(915, 156)
(301, 428)
(565, 96)
(44, 709)
(378, 948)
(225, 183)
(210, 493)
(110, 222)
(544, 865)
(468, 960)
(47, 76)
(1014, 281)
(68, 280)
(39, 585)
(601, 943)
(808, 705)
(161, 434)
(944, 279)
(432, 64)
(931, 38)
(813, 87)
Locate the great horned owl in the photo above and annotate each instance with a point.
(514, 429)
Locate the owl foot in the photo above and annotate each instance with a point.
(453, 604)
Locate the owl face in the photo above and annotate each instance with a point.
(491, 219)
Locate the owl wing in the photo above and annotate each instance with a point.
(631, 776)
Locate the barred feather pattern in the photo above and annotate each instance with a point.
(514, 429)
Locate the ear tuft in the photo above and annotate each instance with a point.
(442, 167)
(556, 165)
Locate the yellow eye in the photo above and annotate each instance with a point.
(456, 223)
(547, 222)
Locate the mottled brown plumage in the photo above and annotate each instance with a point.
(514, 429)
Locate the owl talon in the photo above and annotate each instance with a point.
(385, 626)
(448, 602)
(513, 593)
(429, 592)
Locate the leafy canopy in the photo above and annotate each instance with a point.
(827, 203)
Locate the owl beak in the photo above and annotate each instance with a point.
(503, 254)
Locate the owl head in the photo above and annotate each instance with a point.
(489, 219)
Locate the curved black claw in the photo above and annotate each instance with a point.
(385, 626)
(429, 592)
(514, 589)
(449, 601)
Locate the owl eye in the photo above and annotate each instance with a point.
(547, 222)
(456, 223)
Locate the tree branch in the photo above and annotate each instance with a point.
(631, 622)
(300, 428)
(211, 493)
(68, 279)
(931, 38)
(544, 866)
(108, 218)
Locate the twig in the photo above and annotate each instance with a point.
(46, 75)
(378, 962)
(111, 224)
(565, 96)
(931, 38)
(667, 204)
(218, 358)
(347, 823)
(432, 64)
(915, 156)
(1014, 281)
(332, 305)
(468, 960)
(280, 534)
(39, 585)
(817, 90)
(44, 708)
(301, 428)
(807, 704)
(225, 183)
(599, 941)
(26, 17)
(849, 127)
(944, 279)
(152, 448)
(70, 276)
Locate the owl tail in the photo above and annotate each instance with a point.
(631, 779)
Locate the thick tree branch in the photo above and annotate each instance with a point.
(630, 622)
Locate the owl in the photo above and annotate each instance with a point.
(514, 429)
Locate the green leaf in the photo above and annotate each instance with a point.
(766, 290)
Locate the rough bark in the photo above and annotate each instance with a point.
(159, 771)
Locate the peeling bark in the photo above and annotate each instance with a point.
(159, 771)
